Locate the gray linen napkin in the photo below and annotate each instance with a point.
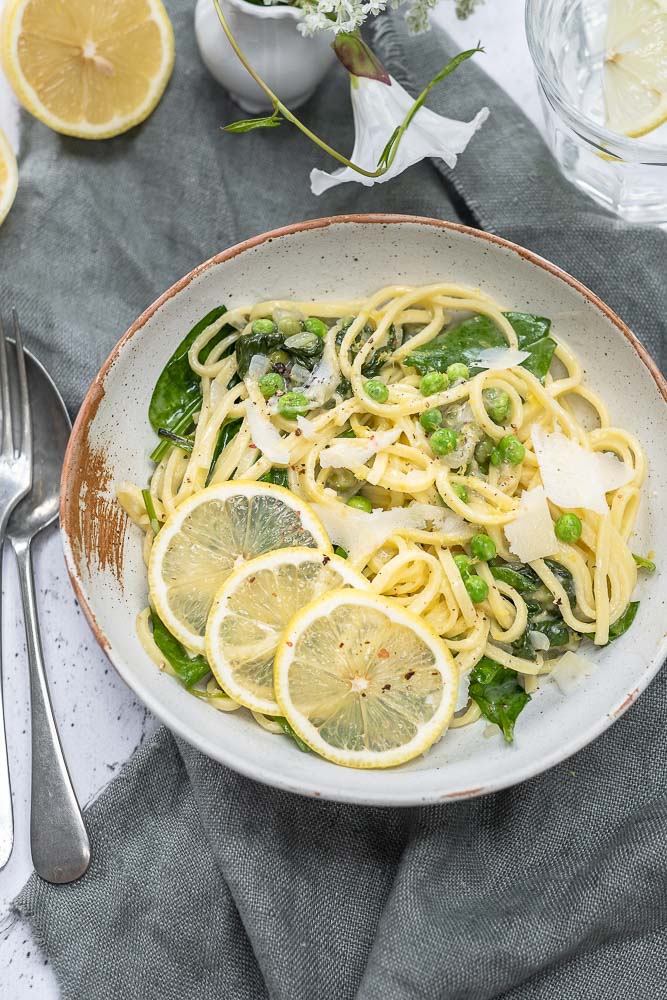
(204, 884)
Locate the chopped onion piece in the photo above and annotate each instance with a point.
(299, 373)
(538, 640)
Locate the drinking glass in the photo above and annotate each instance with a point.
(566, 39)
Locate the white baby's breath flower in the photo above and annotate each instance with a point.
(378, 109)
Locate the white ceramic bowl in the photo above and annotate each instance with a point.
(354, 256)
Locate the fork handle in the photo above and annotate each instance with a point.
(6, 814)
(58, 838)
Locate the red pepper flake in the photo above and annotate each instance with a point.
(383, 654)
(409, 674)
(252, 446)
(290, 644)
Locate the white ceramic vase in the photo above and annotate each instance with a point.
(291, 65)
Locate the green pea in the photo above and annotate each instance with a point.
(461, 492)
(340, 551)
(568, 528)
(444, 441)
(360, 503)
(433, 382)
(477, 588)
(463, 564)
(483, 547)
(483, 450)
(293, 405)
(263, 326)
(270, 384)
(279, 358)
(376, 390)
(430, 420)
(342, 479)
(495, 457)
(458, 371)
(316, 326)
(497, 404)
(289, 326)
(512, 450)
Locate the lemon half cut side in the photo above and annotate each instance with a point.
(213, 533)
(364, 682)
(86, 69)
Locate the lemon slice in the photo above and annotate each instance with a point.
(252, 609)
(364, 682)
(88, 69)
(213, 533)
(635, 67)
(9, 176)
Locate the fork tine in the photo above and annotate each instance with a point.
(26, 415)
(7, 441)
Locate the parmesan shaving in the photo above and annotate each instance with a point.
(574, 477)
(359, 533)
(351, 453)
(571, 671)
(499, 358)
(307, 427)
(265, 436)
(531, 534)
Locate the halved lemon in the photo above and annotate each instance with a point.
(635, 67)
(252, 609)
(364, 682)
(88, 69)
(213, 533)
(9, 176)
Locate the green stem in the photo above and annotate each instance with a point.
(389, 153)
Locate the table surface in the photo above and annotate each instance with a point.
(101, 723)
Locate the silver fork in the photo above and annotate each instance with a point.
(15, 483)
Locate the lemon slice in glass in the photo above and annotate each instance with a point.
(364, 682)
(635, 66)
(213, 533)
(9, 176)
(88, 69)
(252, 609)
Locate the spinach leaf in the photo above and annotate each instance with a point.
(646, 564)
(517, 575)
(190, 669)
(276, 476)
(565, 579)
(621, 625)
(497, 691)
(184, 443)
(177, 391)
(287, 729)
(464, 342)
(150, 510)
(555, 630)
(225, 435)
(251, 343)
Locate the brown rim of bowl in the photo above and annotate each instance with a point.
(96, 391)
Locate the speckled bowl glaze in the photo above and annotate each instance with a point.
(350, 257)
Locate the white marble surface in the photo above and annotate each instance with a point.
(100, 721)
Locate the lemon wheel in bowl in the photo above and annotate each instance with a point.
(91, 70)
(9, 176)
(213, 533)
(253, 608)
(364, 682)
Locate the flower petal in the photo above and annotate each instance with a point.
(378, 109)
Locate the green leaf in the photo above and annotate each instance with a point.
(184, 443)
(465, 341)
(276, 476)
(554, 628)
(497, 691)
(383, 161)
(177, 393)
(621, 625)
(250, 124)
(190, 669)
(565, 579)
(374, 364)
(643, 563)
(287, 729)
(516, 575)
(225, 435)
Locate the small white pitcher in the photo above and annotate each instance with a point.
(291, 65)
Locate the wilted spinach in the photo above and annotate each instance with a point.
(621, 625)
(190, 669)
(497, 691)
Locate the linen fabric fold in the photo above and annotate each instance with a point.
(204, 884)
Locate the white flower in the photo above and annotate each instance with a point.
(378, 108)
